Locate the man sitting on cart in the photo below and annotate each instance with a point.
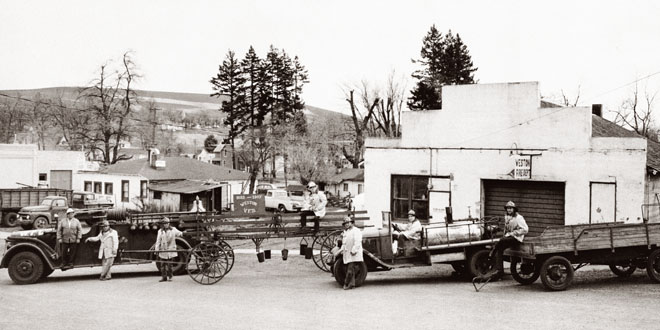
(515, 229)
(411, 231)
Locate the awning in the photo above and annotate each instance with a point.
(185, 186)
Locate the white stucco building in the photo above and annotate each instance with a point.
(495, 142)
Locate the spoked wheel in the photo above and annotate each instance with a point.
(230, 254)
(556, 273)
(623, 269)
(479, 263)
(653, 266)
(207, 263)
(321, 246)
(524, 273)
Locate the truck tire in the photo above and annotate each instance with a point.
(10, 219)
(281, 208)
(339, 272)
(653, 266)
(180, 267)
(26, 268)
(40, 223)
(556, 273)
(479, 263)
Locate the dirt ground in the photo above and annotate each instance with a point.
(294, 294)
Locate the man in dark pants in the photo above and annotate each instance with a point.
(515, 229)
(69, 233)
(313, 206)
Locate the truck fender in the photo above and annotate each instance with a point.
(28, 246)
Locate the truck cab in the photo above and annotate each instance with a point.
(42, 215)
(279, 199)
(88, 200)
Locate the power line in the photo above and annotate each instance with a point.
(622, 86)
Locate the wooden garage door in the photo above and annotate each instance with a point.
(541, 203)
(60, 179)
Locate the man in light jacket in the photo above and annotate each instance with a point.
(515, 229)
(108, 249)
(313, 205)
(69, 233)
(166, 241)
(351, 251)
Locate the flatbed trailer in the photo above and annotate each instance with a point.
(552, 255)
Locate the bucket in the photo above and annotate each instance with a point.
(261, 256)
(285, 254)
(309, 253)
(267, 254)
(303, 247)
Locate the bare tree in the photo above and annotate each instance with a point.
(636, 113)
(360, 121)
(12, 118)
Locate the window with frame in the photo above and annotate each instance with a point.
(158, 195)
(360, 188)
(409, 193)
(88, 186)
(98, 187)
(124, 190)
(345, 186)
(43, 177)
(143, 189)
(108, 188)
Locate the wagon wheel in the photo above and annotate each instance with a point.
(322, 246)
(230, 254)
(653, 266)
(556, 273)
(623, 269)
(524, 273)
(207, 263)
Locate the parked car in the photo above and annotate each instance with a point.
(279, 199)
(89, 200)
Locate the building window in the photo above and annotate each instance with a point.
(88, 186)
(124, 190)
(345, 186)
(360, 188)
(98, 187)
(143, 189)
(409, 193)
(158, 195)
(43, 177)
(108, 188)
(224, 153)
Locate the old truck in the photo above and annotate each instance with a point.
(53, 207)
(279, 199)
(12, 200)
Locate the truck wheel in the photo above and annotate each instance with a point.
(281, 208)
(10, 219)
(623, 269)
(479, 263)
(339, 271)
(524, 273)
(40, 222)
(25, 268)
(653, 266)
(556, 273)
(178, 262)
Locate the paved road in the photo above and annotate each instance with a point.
(294, 294)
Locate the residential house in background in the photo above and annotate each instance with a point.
(347, 181)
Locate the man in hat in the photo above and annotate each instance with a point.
(351, 251)
(108, 249)
(69, 233)
(166, 242)
(410, 231)
(313, 205)
(515, 229)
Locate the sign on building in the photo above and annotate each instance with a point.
(523, 167)
(249, 204)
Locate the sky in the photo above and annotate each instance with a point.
(596, 46)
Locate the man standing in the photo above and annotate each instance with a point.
(108, 249)
(69, 233)
(166, 241)
(515, 229)
(351, 251)
(314, 205)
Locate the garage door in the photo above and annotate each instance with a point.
(540, 202)
(60, 179)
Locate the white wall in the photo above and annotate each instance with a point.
(61, 160)
(115, 179)
(18, 163)
(474, 135)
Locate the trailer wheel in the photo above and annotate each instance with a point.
(321, 250)
(524, 274)
(40, 222)
(10, 219)
(229, 251)
(623, 269)
(653, 266)
(557, 273)
(339, 271)
(479, 263)
(26, 268)
(207, 263)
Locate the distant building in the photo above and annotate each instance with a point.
(346, 181)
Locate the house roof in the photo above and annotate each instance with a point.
(601, 127)
(184, 186)
(347, 174)
(177, 168)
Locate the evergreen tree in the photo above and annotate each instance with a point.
(445, 60)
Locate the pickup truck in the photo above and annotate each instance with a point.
(54, 207)
(279, 199)
(90, 200)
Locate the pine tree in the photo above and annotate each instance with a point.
(445, 61)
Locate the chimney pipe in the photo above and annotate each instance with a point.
(597, 109)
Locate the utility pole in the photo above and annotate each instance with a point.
(153, 110)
